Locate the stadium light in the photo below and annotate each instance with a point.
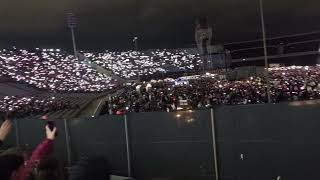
(72, 23)
(266, 64)
(135, 41)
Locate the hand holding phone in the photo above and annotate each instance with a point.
(51, 134)
(51, 125)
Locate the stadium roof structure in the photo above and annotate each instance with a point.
(157, 23)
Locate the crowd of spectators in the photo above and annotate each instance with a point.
(52, 69)
(19, 107)
(129, 64)
(196, 92)
(48, 70)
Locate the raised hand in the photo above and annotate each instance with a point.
(51, 134)
(5, 129)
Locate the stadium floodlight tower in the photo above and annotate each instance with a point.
(203, 38)
(72, 24)
(266, 64)
(135, 41)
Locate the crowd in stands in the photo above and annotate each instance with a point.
(130, 64)
(19, 107)
(196, 92)
(52, 69)
(47, 70)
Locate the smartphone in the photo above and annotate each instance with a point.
(51, 124)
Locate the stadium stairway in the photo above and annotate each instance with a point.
(94, 108)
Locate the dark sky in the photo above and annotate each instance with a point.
(158, 23)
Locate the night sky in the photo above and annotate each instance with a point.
(159, 23)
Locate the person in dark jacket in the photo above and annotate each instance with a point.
(21, 169)
(5, 130)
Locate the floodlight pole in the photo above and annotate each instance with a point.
(136, 43)
(72, 23)
(266, 64)
(74, 43)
